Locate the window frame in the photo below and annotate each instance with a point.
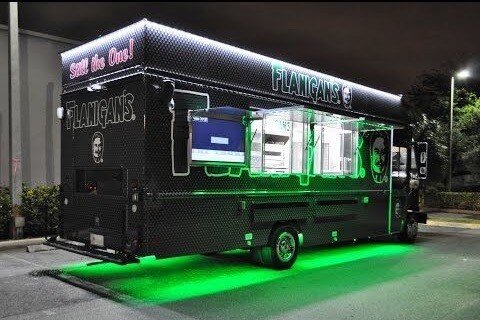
(309, 147)
(354, 133)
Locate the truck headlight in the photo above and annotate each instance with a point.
(60, 113)
(414, 184)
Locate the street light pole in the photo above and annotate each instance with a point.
(461, 75)
(15, 125)
(450, 156)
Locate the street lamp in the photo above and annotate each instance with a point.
(463, 74)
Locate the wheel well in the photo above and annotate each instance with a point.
(295, 224)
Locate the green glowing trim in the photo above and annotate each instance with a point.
(217, 163)
(390, 185)
(335, 235)
(359, 162)
(300, 239)
(255, 192)
(244, 205)
(176, 279)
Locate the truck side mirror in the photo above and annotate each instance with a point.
(421, 149)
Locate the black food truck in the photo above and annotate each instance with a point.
(174, 144)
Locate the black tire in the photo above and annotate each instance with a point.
(281, 251)
(410, 231)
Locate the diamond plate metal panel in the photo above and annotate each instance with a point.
(184, 225)
(182, 55)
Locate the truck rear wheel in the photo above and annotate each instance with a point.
(281, 251)
(410, 231)
(284, 243)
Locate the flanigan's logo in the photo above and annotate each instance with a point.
(103, 112)
(97, 147)
(312, 88)
(379, 159)
(347, 96)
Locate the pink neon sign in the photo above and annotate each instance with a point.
(95, 63)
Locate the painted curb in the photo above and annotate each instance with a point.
(442, 210)
(9, 244)
(436, 223)
(97, 289)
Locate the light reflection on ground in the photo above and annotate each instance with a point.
(180, 278)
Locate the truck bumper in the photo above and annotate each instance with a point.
(420, 216)
(85, 250)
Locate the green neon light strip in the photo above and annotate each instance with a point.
(390, 186)
(217, 163)
(270, 192)
(360, 170)
(180, 278)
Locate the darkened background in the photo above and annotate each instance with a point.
(383, 45)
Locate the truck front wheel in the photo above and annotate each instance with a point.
(410, 231)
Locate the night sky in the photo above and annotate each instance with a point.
(383, 45)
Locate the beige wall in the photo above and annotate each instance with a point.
(40, 76)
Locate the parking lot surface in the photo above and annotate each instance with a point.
(436, 278)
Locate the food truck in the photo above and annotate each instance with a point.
(174, 144)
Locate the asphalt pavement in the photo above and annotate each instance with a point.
(436, 278)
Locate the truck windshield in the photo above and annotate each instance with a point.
(399, 162)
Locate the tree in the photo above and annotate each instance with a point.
(428, 106)
(428, 103)
(466, 143)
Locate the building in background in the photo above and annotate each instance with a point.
(40, 76)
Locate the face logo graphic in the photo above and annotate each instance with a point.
(347, 96)
(379, 158)
(97, 147)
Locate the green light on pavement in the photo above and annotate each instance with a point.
(174, 279)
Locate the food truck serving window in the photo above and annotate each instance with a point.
(284, 140)
(334, 149)
(292, 140)
(218, 136)
(278, 145)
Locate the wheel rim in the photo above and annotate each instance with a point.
(412, 228)
(285, 246)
